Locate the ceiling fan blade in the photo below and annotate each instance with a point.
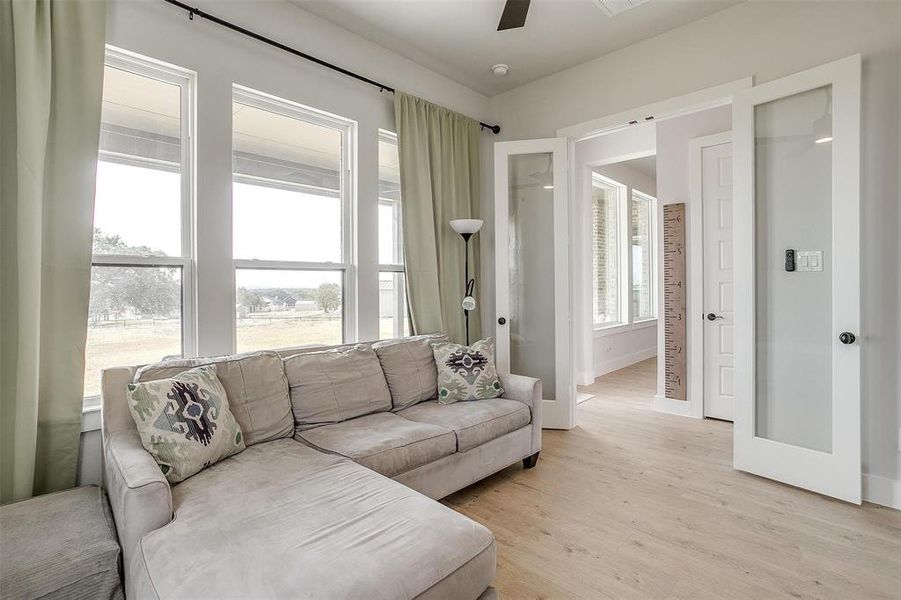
(514, 14)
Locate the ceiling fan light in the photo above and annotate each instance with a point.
(822, 129)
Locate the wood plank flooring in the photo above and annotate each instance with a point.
(637, 504)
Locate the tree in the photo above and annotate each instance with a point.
(328, 297)
(120, 291)
(249, 298)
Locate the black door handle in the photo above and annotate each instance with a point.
(713, 317)
(846, 337)
(501, 321)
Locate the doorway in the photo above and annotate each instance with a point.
(795, 164)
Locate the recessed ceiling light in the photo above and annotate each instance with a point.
(500, 69)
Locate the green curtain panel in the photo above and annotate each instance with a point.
(439, 181)
(52, 78)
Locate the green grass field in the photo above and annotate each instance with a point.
(142, 341)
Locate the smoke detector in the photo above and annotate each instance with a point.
(616, 7)
(500, 69)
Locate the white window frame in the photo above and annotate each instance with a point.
(348, 194)
(622, 251)
(652, 249)
(186, 80)
(401, 315)
(624, 199)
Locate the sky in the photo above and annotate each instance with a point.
(142, 206)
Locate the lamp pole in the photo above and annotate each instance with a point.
(467, 228)
(467, 283)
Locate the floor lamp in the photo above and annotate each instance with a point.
(467, 228)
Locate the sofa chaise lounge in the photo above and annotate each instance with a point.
(334, 496)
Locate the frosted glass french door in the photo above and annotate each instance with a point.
(532, 270)
(797, 281)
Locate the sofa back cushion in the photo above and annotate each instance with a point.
(409, 367)
(330, 386)
(256, 386)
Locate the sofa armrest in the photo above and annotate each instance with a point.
(139, 495)
(528, 391)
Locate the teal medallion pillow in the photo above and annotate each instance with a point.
(185, 422)
(466, 372)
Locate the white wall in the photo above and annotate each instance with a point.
(673, 186)
(770, 40)
(221, 58)
(595, 357)
(630, 177)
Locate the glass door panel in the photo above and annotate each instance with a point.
(793, 229)
(530, 249)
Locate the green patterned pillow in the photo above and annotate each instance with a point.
(185, 422)
(466, 372)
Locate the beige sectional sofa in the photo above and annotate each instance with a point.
(334, 496)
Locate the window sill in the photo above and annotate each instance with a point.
(645, 323)
(623, 328)
(90, 415)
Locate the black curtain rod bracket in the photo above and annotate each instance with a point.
(193, 10)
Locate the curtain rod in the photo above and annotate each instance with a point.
(193, 10)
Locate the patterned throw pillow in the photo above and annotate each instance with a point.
(466, 372)
(185, 422)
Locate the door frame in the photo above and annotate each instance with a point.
(832, 473)
(695, 265)
(676, 106)
(560, 412)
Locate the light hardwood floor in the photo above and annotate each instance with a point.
(637, 504)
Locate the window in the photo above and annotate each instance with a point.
(393, 318)
(624, 233)
(607, 198)
(642, 228)
(141, 306)
(291, 195)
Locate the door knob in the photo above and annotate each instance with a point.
(713, 317)
(501, 321)
(846, 337)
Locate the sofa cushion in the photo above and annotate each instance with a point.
(185, 422)
(384, 442)
(466, 372)
(298, 523)
(256, 387)
(409, 367)
(334, 385)
(474, 423)
(60, 545)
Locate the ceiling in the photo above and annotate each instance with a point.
(458, 38)
(647, 166)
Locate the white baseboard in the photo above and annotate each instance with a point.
(882, 490)
(672, 407)
(584, 378)
(621, 362)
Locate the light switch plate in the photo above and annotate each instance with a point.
(810, 260)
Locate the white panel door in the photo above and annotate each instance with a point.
(533, 320)
(796, 150)
(719, 326)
